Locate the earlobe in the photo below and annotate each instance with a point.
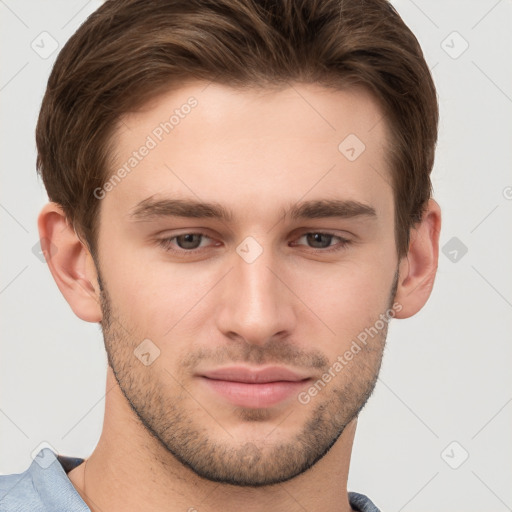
(418, 268)
(70, 263)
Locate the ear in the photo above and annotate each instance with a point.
(70, 263)
(417, 270)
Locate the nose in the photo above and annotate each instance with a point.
(256, 304)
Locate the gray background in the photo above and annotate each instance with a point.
(445, 388)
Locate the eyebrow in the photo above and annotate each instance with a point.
(152, 208)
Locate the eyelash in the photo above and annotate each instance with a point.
(166, 243)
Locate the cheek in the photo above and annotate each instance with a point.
(345, 299)
(155, 297)
(160, 299)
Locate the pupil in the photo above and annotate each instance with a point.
(188, 240)
(317, 236)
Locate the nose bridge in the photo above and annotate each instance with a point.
(256, 303)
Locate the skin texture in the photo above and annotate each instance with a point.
(169, 442)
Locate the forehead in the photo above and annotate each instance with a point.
(216, 106)
(254, 147)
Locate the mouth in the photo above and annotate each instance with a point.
(254, 388)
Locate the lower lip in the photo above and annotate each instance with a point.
(264, 394)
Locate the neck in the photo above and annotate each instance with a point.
(131, 471)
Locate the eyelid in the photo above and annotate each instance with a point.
(166, 242)
(340, 246)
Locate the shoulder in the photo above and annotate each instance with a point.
(43, 487)
(17, 493)
(361, 503)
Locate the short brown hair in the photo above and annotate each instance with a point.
(129, 51)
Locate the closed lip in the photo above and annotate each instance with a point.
(254, 375)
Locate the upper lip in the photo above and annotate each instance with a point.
(244, 374)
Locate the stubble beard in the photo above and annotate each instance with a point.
(221, 458)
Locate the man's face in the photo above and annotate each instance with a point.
(258, 290)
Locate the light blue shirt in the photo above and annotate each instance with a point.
(45, 487)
